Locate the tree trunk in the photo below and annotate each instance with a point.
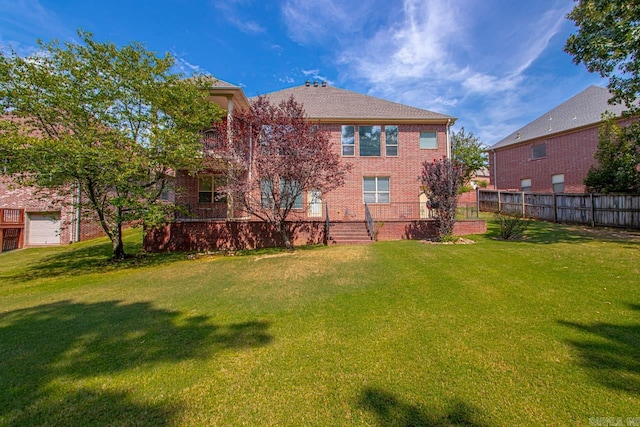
(285, 236)
(117, 244)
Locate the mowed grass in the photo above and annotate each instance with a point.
(544, 331)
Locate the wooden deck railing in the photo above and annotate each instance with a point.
(11, 229)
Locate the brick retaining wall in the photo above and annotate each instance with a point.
(234, 235)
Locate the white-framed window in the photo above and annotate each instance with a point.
(557, 183)
(207, 189)
(391, 141)
(538, 151)
(369, 140)
(266, 193)
(348, 140)
(376, 189)
(525, 185)
(266, 135)
(428, 140)
(289, 189)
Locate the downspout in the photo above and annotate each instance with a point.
(495, 170)
(78, 212)
(448, 139)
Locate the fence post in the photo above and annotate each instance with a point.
(499, 203)
(523, 208)
(593, 212)
(555, 207)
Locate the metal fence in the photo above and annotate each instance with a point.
(610, 210)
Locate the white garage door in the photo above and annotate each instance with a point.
(44, 228)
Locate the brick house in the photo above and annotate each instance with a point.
(29, 217)
(386, 143)
(554, 152)
(32, 218)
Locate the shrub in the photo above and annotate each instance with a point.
(512, 225)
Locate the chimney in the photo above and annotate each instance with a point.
(324, 84)
(315, 84)
(307, 83)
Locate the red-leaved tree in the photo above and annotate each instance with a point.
(441, 180)
(274, 157)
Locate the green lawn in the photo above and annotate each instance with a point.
(544, 331)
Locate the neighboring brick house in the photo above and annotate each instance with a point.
(554, 152)
(386, 143)
(32, 218)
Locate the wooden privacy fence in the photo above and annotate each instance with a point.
(609, 210)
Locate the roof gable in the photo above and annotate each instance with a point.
(585, 108)
(329, 103)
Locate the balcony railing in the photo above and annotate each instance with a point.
(403, 211)
(11, 229)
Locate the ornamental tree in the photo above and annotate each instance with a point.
(113, 122)
(441, 180)
(274, 157)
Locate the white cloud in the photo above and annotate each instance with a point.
(230, 10)
(22, 20)
(316, 76)
(465, 58)
(183, 66)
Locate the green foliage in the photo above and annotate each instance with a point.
(114, 122)
(618, 156)
(608, 42)
(467, 150)
(512, 226)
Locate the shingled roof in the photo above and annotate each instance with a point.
(327, 103)
(583, 109)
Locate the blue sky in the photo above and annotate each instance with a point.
(494, 64)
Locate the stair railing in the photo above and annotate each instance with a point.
(369, 219)
(327, 223)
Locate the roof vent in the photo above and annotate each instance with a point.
(324, 84)
(315, 84)
(307, 83)
(517, 135)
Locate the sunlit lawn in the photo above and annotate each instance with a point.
(544, 331)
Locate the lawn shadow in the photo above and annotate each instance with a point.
(611, 352)
(88, 259)
(46, 350)
(392, 411)
(542, 232)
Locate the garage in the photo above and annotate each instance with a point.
(43, 228)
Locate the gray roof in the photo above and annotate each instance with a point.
(583, 109)
(325, 103)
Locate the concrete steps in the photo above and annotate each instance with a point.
(349, 233)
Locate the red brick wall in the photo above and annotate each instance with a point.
(231, 235)
(570, 154)
(234, 235)
(29, 199)
(347, 202)
(402, 170)
(426, 229)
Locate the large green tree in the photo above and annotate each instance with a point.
(618, 159)
(467, 150)
(113, 122)
(608, 42)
